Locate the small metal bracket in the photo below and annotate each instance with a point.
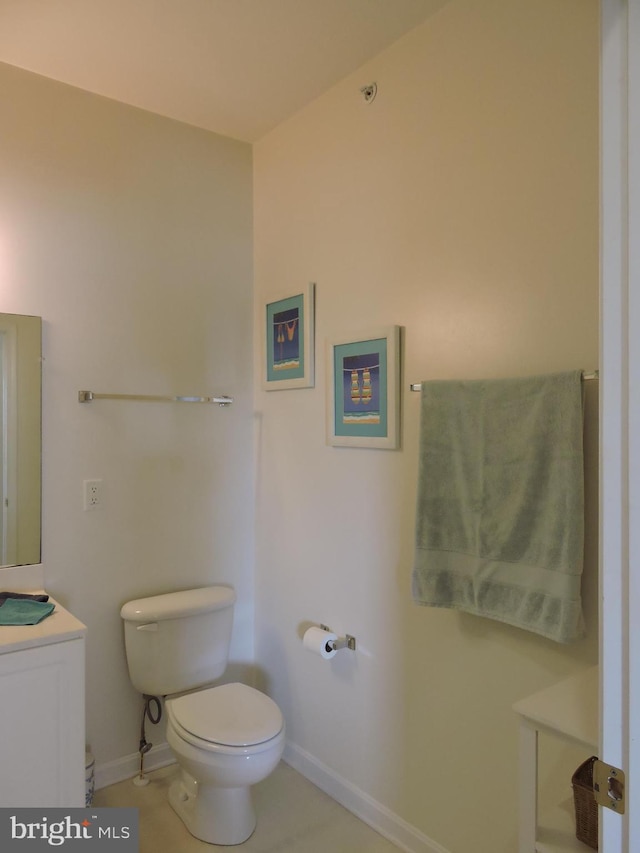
(346, 642)
(369, 92)
(609, 786)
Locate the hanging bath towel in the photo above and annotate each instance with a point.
(500, 508)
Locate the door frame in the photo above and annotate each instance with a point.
(620, 412)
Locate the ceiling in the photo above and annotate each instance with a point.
(236, 67)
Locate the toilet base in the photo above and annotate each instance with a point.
(216, 815)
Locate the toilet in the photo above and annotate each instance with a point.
(226, 738)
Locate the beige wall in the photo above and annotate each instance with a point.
(461, 204)
(131, 236)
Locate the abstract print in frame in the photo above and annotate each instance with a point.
(289, 348)
(364, 396)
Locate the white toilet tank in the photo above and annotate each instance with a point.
(178, 641)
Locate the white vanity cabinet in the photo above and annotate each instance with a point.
(42, 713)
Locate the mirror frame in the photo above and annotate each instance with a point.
(20, 440)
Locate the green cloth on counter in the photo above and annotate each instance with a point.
(21, 611)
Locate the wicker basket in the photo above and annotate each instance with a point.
(585, 804)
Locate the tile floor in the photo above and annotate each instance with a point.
(293, 816)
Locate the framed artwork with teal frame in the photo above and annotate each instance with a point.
(363, 406)
(289, 341)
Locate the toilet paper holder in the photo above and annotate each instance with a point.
(346, 642)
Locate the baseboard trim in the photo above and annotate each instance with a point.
(378, 817)
(370, 811)
(129, 766)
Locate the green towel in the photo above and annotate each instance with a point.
(21, 611)
(500, 508)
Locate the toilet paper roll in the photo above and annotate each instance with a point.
(317, 640)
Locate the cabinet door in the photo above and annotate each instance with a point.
(42, 726)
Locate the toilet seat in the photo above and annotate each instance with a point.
(231, 715)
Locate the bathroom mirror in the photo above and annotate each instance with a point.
(20, 444)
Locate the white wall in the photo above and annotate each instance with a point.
(461, 204)
(131, 236)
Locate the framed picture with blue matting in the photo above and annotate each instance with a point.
(289, 341)
(363, 405)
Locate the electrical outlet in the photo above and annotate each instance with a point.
(92, 494)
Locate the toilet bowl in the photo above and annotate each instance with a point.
(225, 739)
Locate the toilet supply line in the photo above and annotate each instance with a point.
(144, 747)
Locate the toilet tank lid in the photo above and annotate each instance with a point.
(174, 605)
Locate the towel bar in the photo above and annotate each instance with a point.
(88, 396)
(586, 377)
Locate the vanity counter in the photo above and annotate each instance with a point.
(59, 627)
